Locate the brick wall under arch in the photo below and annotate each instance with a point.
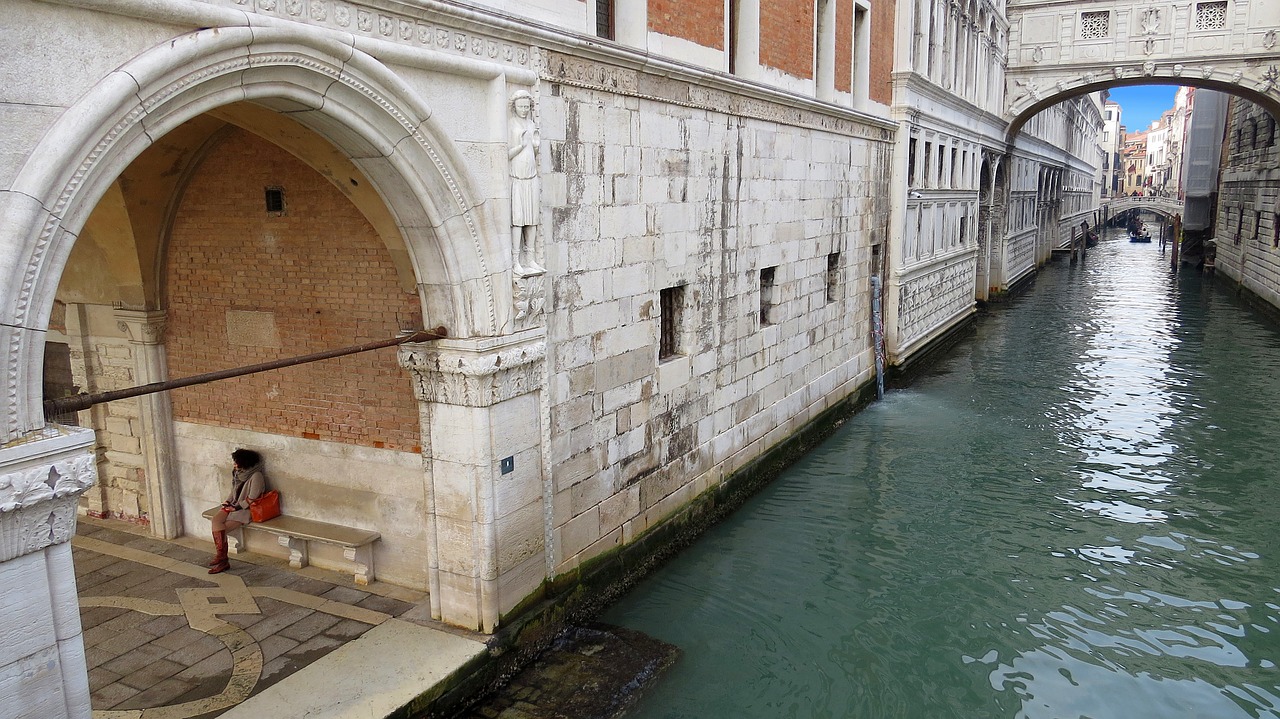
(247, 285)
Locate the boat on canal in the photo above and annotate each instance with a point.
(1139, 236)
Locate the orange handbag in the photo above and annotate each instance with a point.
(265, 507)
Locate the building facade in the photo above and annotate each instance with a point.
(1246, 230)
(649, 230)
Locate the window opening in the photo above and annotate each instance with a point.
(604, 19)
(833, 275)
(766, 295)
(275, 200)
(1211, 15)
(671, 309)
(1095, 25)
(911, 162)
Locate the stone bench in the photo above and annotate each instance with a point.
(294, 533)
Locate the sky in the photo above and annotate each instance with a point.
(1141, 105)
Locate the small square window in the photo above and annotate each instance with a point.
(671, 301)
(1095, 25)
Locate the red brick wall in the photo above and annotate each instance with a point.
(698, 21)
(882, 29)
(786, 36)
(323, 272)
(844, 45)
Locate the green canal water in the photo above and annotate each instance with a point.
(1076, 514)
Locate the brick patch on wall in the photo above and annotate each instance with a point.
(698, 21)
(786, 31)
(321, 276)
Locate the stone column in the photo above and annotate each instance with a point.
(42, 663)
(155, 417)
(480, 403)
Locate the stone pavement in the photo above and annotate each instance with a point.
(166, 640)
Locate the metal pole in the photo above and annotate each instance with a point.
(77, 402)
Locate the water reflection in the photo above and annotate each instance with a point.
(1074, 517)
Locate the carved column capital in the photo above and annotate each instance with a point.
(40, 483)
(143, 326)
(477, 372)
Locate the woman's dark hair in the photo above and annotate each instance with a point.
(245, 458)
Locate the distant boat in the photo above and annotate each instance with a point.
(1139, 236)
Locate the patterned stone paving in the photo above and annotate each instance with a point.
(166, 640)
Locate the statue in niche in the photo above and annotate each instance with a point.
(523, 143)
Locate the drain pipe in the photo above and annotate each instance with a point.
(877, 334)
(77, 402)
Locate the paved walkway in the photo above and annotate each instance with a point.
(166, 640)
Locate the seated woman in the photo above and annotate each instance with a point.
(248, 482)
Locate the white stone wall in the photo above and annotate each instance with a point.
(354, 486)
(103, 359)
(645, 195)
(42, 660)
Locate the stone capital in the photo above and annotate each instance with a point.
(477, 372)
(41, 480)
(143, 326)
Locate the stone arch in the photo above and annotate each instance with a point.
(1027, 96)
(332, 88)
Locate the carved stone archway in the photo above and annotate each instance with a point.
(1061, 50)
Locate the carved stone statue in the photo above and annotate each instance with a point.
(523, 143)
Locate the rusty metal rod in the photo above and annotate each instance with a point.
(77, 402)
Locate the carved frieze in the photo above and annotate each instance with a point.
(479, 377)
(438, 33)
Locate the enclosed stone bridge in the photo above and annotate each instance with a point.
(1059, 49)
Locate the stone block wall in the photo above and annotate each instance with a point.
(103, 359)
(645, 195)
(1247, 228)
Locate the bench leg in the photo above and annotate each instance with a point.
(363, 559)
(297, 550)
(235, 541)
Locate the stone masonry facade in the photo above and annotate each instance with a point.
(648, 195)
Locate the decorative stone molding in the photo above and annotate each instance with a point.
(40, 483)
(530, 296)
(476, 373)
(142, 326)
(594, 75)
(430, 31)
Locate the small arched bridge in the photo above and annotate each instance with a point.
(1057, 50)
(1167, 206)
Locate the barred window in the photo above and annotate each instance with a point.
(1211, 15)
(671, 302)
(833, 275)
(766, 295)
(1095, 25)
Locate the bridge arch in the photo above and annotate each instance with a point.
(1059, 50)
(1034, 101)
(330, 87)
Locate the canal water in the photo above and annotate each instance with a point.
(1076, 514)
